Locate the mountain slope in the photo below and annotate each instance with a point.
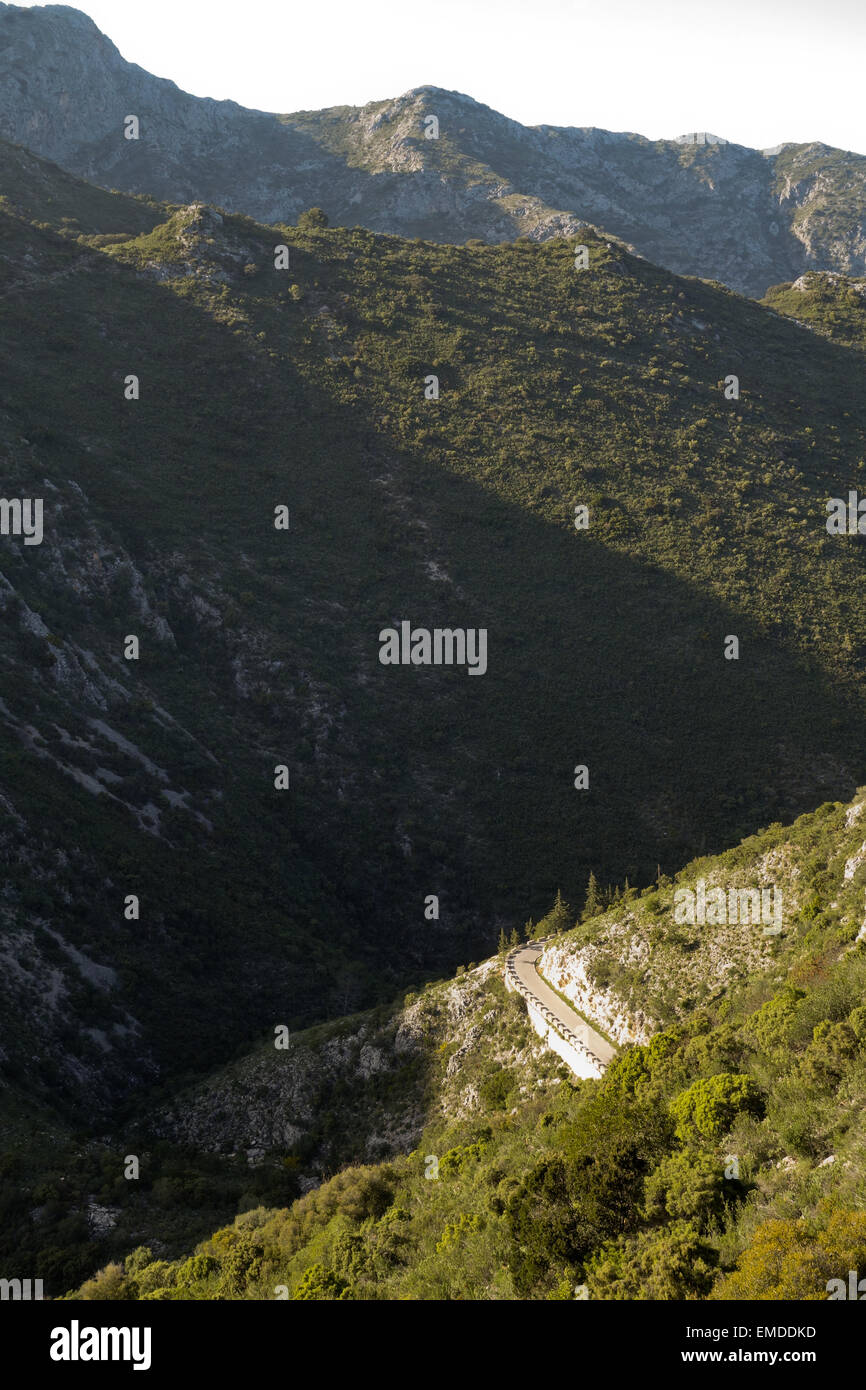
(830, 304)
(725, 1157)
(745, 217)
(460, 511)
(259, 648)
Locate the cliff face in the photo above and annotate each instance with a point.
(566, 970)
(652, 960)
(745, 217)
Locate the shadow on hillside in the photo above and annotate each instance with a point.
(417, 781)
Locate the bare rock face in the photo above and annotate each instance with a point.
(567, 971)
(430, 163)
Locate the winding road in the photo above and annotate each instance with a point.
(523, 962)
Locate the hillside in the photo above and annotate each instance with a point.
(748, 218)
(153, 778)
(830, 304)
(723, 1157)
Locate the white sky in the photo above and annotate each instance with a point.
(758, 72)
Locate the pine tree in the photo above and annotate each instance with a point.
(515, 937)
(560, 918)
(592, 905)
(503, 944)
(528, 929)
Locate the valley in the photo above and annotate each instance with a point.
(322, 980)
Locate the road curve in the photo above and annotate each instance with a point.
(523, 961)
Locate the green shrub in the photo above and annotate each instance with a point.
(707, 1109)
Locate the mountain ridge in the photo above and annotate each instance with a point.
(747, 218)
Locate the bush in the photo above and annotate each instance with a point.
(708, 1108)
(797, 1259)
(770, 1026)
(109, 1282)
(496, 1088)
(688, 1186)
(670, 1264)
(312, 219)
(320, 1284)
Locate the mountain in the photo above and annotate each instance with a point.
(696, 204)
(167, 389)
(721, 1157)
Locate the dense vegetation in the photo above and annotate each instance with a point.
(724, 1159)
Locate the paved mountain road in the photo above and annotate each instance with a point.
(524, 965)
